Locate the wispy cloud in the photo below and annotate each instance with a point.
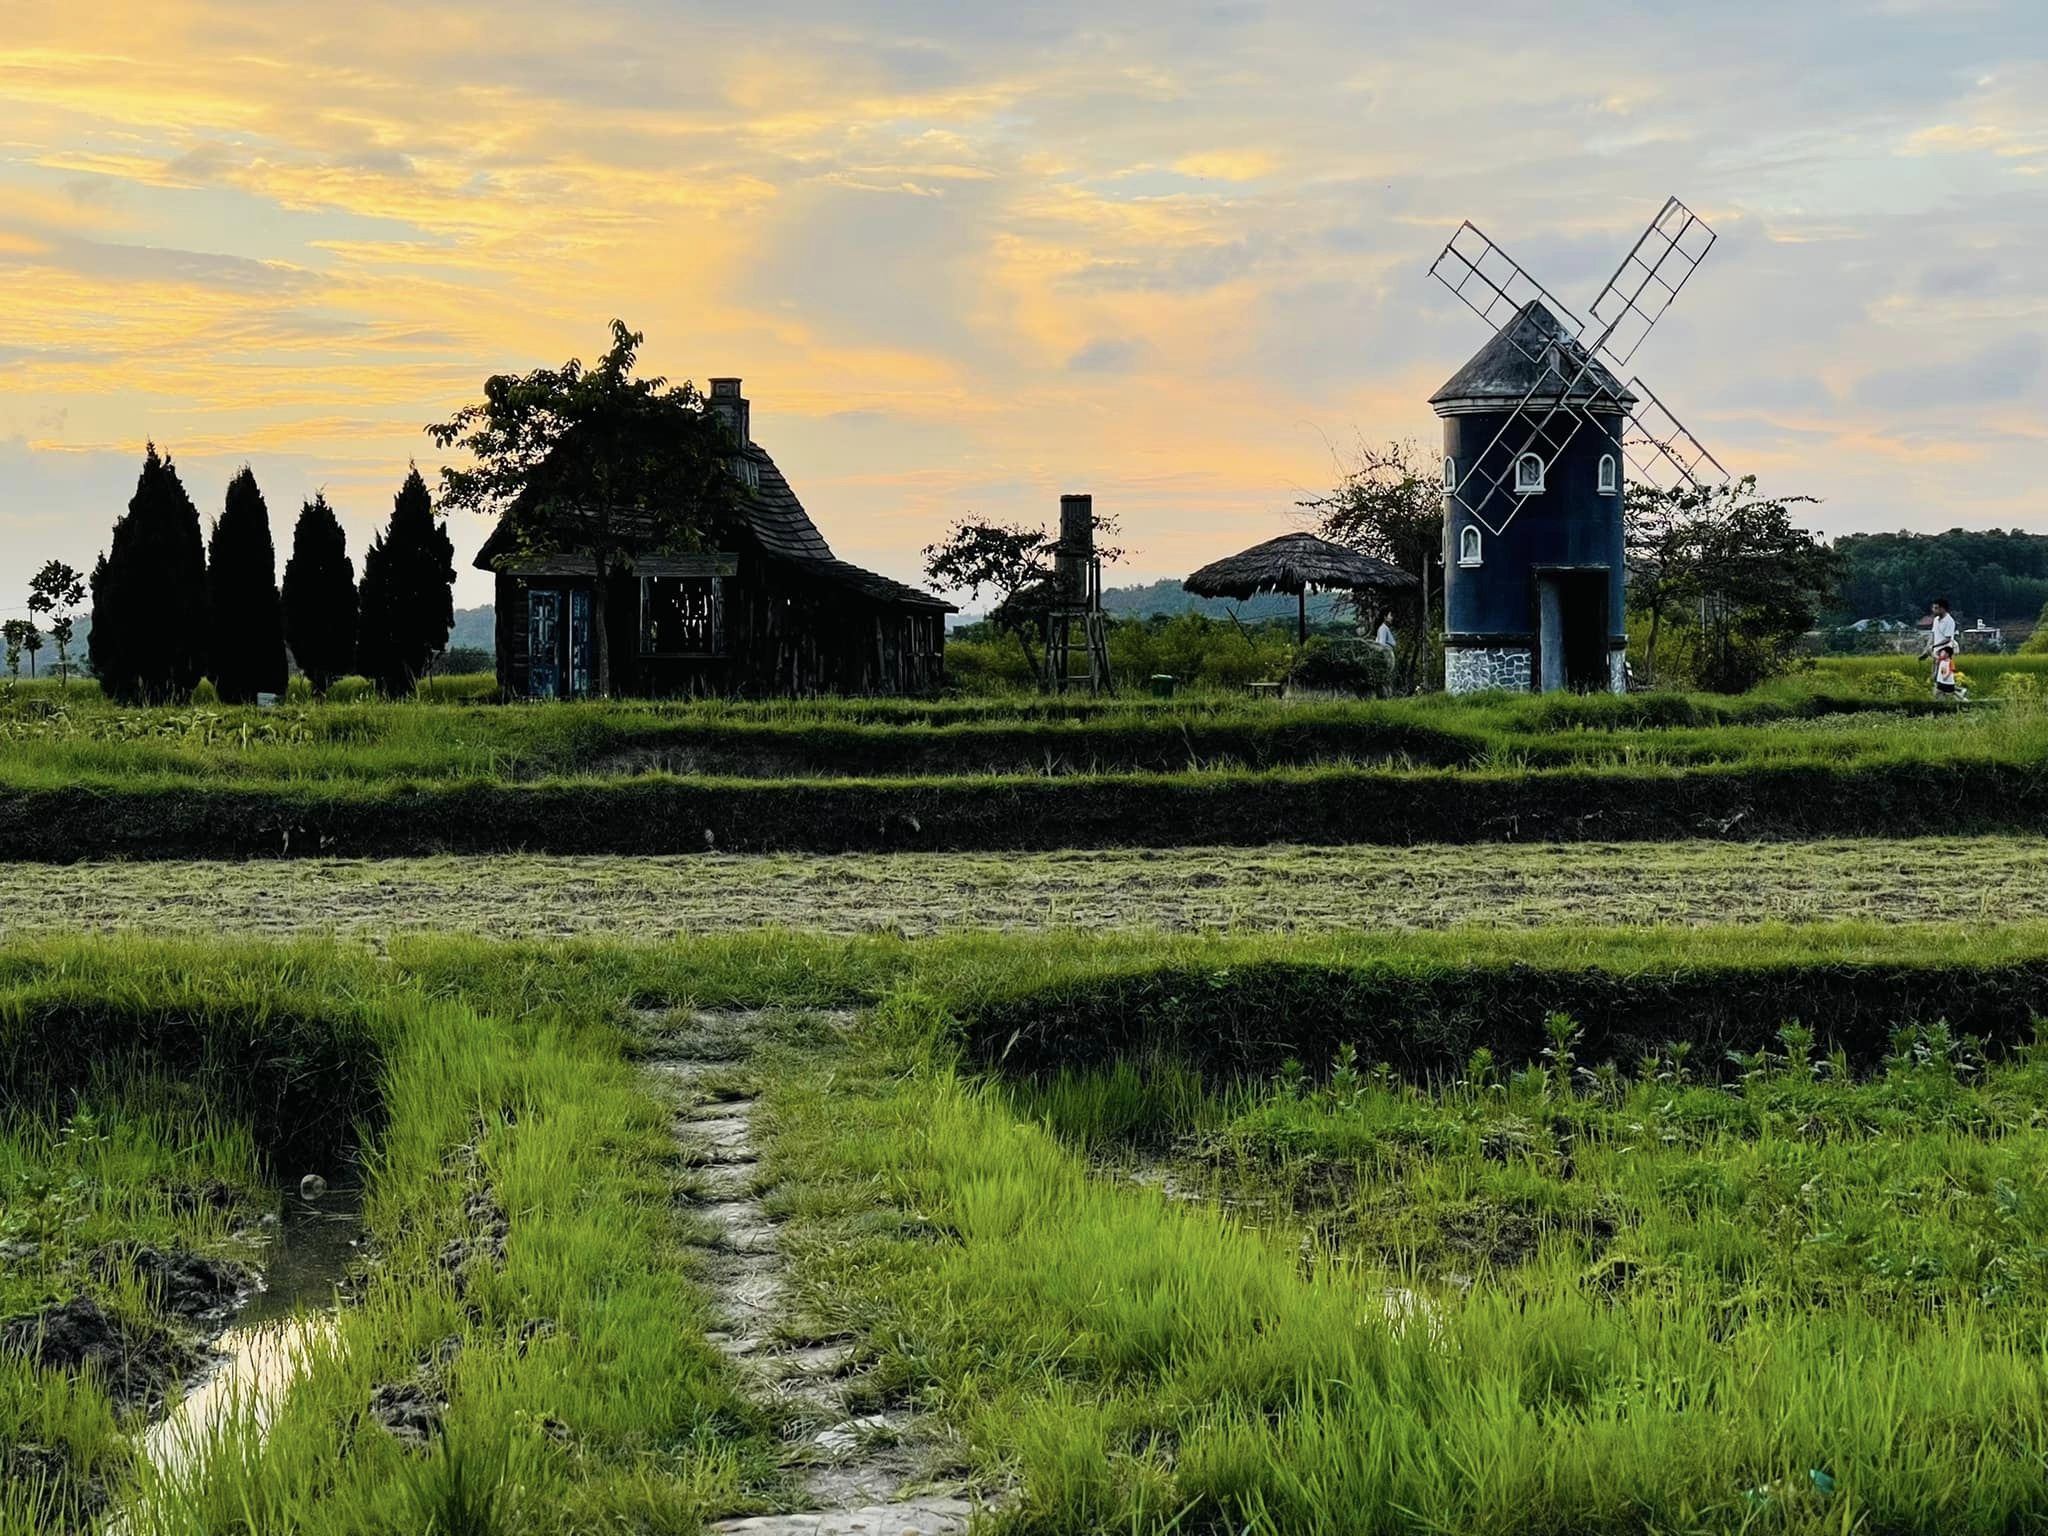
(975, 255)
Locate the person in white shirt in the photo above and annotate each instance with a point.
(1386, 635)
(1944, 631)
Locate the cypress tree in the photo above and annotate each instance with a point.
(408, 593)
(149, 628)
(320, 596)
(246, 656)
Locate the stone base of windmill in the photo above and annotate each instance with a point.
(1481, 669)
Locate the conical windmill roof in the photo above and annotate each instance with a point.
(1515, 362)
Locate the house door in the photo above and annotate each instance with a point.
(558, 648)
(579, 643)
(544, 643)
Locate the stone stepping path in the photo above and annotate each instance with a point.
(855, 1469)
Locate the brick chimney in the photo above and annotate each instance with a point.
(731, 407)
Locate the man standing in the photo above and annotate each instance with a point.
(1944, 631)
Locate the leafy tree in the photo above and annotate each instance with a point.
(592, 460)
(21, 635)
(408, 593)
(1011, 560)
(320, 597)
(1730, 567)
(1015, 562)
(2037, 642)
(56, 591)
(149, 630)
(460, 660)
(247, 653)
(1989, 573)
(1390, 505)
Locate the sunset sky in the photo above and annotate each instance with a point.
(969, 256)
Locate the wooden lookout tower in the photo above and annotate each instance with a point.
(1076, 604)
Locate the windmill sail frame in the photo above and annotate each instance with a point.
(1660, 449)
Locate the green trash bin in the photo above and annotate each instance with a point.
(1161, 684)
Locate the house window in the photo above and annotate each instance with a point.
(1450, 473)
(1609, 479)
(1468, 546)
(682, 616)
(1528, 473)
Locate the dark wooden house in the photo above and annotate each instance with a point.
(769, 610)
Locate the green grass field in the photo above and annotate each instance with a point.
(1646, 1289)
(51, 735)
(1202, 1115)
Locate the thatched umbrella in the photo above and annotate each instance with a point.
(1294, 562)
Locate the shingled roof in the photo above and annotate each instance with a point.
(775, 515)
(1519, 357)
(783, 529)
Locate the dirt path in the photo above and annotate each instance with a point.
(856, 1470)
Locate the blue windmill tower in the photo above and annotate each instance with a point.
(1540, 438)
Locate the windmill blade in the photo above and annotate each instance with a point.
(1490, 282)
(1660, 449)
(1648, 279)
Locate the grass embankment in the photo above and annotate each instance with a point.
(1528, 1302)
(528, 1303)
(52, 737)
(1280, 889)
(1905, 798)
(82, 781)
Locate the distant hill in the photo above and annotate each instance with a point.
(473, 627)
(477, 627)
(1985, 574)
(1164, 599)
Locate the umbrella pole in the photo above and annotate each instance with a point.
(1301, 615)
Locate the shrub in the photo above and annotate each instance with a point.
(2022, 690)
(1340, 666)
(464, 661)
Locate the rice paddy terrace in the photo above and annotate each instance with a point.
(1039, 1121)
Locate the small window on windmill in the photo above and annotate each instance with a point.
(1450, 473)
(1609, 478)
(1468, 546)
(1528, 474)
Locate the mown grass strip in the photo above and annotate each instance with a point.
(1285, 888)
(663, 816)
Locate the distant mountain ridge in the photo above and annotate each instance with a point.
(1165, 598)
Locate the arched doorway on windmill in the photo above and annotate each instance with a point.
(1571, 628)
